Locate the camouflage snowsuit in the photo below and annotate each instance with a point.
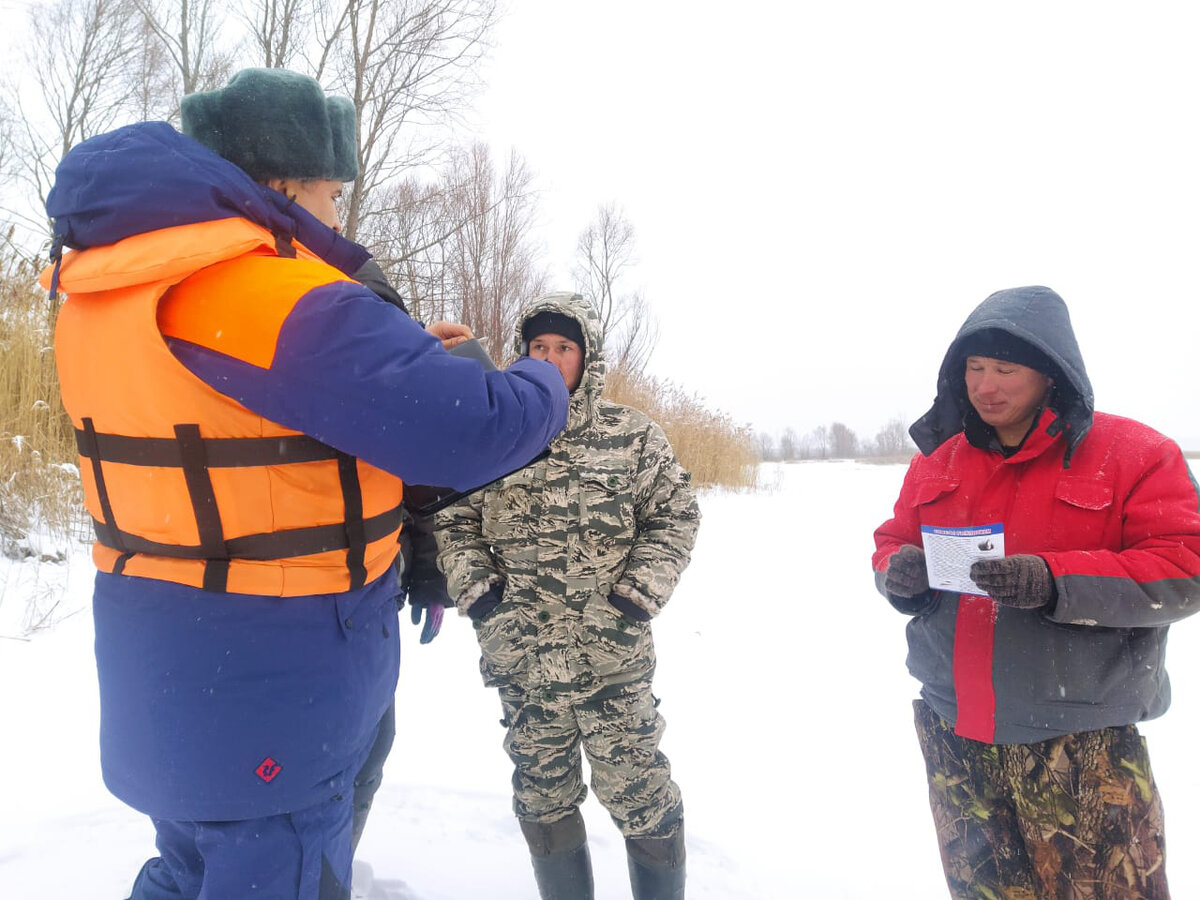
(1076, 817)
(608, 511)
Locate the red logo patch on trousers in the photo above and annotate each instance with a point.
(268, 769)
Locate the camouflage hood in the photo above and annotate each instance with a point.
(591, 385)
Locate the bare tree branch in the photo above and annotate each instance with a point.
(189, 33)
(408, 65)
(277, 27)
(604, 253)
(81, 53)
(462, 248)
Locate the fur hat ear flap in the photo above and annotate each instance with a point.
(273, 123)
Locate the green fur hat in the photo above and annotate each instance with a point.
(276, 124)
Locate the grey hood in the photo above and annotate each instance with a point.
(1038, 316)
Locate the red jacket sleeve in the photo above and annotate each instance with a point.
(902, 528)
(1154, 579)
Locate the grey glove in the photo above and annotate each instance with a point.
(1023, 581)
(906, 575)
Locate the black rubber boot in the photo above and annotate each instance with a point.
(562, 865)
(657, 866)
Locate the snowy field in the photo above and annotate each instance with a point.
(782, 679)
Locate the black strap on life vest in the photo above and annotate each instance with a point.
(196, 455)
(88, 443)
(268, 545)
(204, 506)
(218, 452)
(355, 533)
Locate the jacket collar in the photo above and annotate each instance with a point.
(1045, 434)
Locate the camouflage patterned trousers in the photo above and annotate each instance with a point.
(1072, 818)
(619, 728)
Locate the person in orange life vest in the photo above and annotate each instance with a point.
(320, 197)
(420, 581)
(1032, 682)
(246, 414)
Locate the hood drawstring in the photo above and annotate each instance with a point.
(283, 238)
(283, 244)
(56, 251)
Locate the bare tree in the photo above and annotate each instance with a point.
(604, 253)
(188, 31)
(410, 245)
(17, 263)
(277, 29)
(408, 65)
(461, 248)
(10, 134)
(631, 347)
(789, 444)
(843, 441)
(155, 92)
(818, 443)
(489, 260)
(892, 439)
(765, 445)
(80, 53)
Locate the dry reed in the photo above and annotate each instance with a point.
(40, 496)
(717, 452)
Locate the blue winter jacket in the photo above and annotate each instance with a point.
(219, 706)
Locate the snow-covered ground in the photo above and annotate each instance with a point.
(782, 679)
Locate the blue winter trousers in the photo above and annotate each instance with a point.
(302, 855)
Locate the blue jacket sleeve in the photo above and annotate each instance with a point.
(358, 374)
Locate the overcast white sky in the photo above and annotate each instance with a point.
(822, 191)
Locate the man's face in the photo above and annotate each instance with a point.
(1006, 395)
(317, 197)
(564, 353)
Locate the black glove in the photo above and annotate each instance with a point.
(405, 564)
(487, 603)
(434, 613)
(421, 581)
(1021, 581)
(906, 575)
(628, 608)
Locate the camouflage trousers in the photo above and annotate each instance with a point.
(619, 728)
(1073, 818)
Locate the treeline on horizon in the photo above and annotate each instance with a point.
(836, 441)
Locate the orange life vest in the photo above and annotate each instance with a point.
(184, 483)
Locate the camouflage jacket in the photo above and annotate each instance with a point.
(608, 511)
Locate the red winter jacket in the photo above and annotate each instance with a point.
(1120, 530)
